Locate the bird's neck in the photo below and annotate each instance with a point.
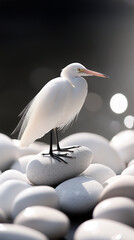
(75, 81)
(71, 82)
(79, 82)
(68, 75)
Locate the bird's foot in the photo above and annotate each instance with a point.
(66, 149)
(58, 157)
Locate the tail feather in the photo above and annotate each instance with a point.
(21, 126)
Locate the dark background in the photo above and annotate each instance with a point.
(39, 38)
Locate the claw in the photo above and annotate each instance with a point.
(66, 149)
(56, 156)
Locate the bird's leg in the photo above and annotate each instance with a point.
(65, 149)
(57, 140)
(54, 155)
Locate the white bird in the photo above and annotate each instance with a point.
(55, 106)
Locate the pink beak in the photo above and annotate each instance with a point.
(93, 73)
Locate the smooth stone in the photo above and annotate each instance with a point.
(123, 143)
(21, 164)
(128, 171)
(103, 229)
(13, 174)
(120, 209)
(33, 149)
(114, 178)
(122, 186)
(3, 217)
(16, 232)
(8, 152)
(8, 193)
(131, 163)
(48, 171)
(99, 172)
(79, 195)
(38, 195)
(103, 153)
(51, 222)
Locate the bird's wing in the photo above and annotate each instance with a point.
(46, 111)
(23, 121)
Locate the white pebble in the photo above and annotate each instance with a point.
(131, 163)
(103, 153)
(123, 143)
(8, 152)
(21, 164)
(41, 195)
(13, 174)
(8, 193)
(128, 171)
(34, 148)
(49, 221)
(79, 194)
(120, 209)
(16, 232)
(100, 229)
(99, 172)
(122, 186)
(48, 171)
(114, 178)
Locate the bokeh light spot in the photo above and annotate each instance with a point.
(118, 103)
(129, 121)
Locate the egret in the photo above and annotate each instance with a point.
(55, 107)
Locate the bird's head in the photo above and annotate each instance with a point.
(77, 70)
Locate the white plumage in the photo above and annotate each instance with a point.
(56, 105)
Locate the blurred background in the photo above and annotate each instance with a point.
(39, 38)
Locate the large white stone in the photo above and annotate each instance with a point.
(103, 229)
(48, 171)
(13, 174)
(103, 153)
(120, 209)
(131, 163)
(123, 143)
(8, 193)
(21, 164)
(99, 172)
(79, 194)
(49, 221)
(16, 232)
(114, 178)
(34, 148)
(8, 152)
(38, 195)
(122, 186)
(128, 171)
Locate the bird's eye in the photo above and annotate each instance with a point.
(79, 70)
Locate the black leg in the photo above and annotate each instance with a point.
(65, 149)
(57, 139)
(51, 142)
(54, 155)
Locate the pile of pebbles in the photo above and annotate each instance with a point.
(89, 198)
